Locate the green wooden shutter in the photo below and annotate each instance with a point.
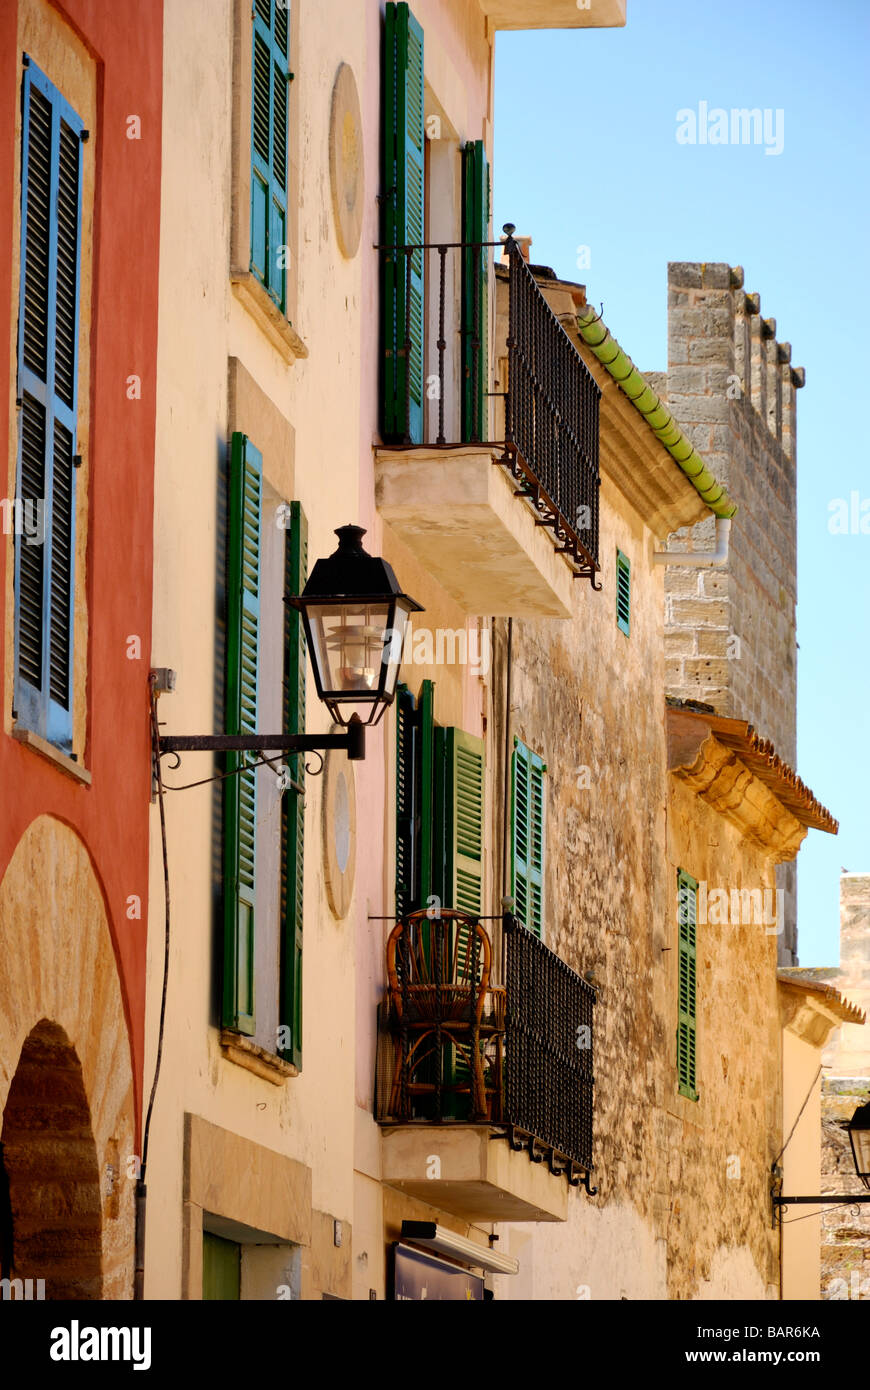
(240, 786)
(221, 1268)
(687, 919)
(528, 837)
(48, 327)
(269, 81)
(426, 775)
(407, 860)
(458, 866)
(459, 820)
(293, 802)
(404, 224)
(623, 593)
(475, 292)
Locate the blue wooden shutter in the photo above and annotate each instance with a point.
(48, 329)
(687, 1041)
(528, 837)
(623, 593)
(293, 804)
(240, 786)
(269, 81)
(475, 292)
(404, 225)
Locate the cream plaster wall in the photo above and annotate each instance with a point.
(800, 1163)
(326, 404)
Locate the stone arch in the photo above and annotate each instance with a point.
(65, 1060)
(51, 1170)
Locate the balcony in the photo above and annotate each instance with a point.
(484, 1039)
(554, 14)
(495, 491)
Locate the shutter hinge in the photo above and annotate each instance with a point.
(291, 77)
(84, 136)
(25, 60)
(77, 460)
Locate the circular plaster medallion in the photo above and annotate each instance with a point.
(346, 167)
(339, 832)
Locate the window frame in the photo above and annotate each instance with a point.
(687, 1018)
(623, 577)
(36, 709)
(534, 876)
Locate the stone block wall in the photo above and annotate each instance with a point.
(845, 1252)
(846, 1231)
(730, 633)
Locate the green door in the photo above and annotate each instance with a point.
(221, 1268)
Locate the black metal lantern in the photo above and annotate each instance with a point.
(859, 1137)
(355, 618)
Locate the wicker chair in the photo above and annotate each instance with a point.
(445, 1017)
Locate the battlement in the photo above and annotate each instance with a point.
(719, 344)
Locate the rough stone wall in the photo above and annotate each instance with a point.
(721, 1146)
(730, 633)
(667, 1222)
(846, 1232)
(845, 1265)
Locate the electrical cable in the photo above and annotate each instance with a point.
(156, 738)
(800, 1112)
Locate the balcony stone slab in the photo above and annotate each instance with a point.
(554, 14)
(459, 513)
(480, 1178)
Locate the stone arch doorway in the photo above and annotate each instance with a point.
(65, 1063)
(53, 1225)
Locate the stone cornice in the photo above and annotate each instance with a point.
(812, 1011)
(716, 774)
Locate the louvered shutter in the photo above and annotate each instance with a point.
(51, 212)
(269, 82)
(403, 192)
(459, 820)
(687, 922)
(475, 292)
(458, 871)
(623, 593)
(528, 837)
(293, 802)
(240, 786)
(407, 859)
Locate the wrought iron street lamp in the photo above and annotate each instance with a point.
(858, 1130)
(355, 617)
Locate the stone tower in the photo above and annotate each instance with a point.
(730, 632)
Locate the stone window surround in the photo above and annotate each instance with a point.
(277, 327)
(57, 51)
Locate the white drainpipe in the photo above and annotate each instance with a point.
(700, 559)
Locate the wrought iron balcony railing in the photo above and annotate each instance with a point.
(476, 1031)
(437, 378)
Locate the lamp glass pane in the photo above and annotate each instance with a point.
(861, 1145)
(348, 646)
(394, 648)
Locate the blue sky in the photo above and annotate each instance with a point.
(586, 155)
